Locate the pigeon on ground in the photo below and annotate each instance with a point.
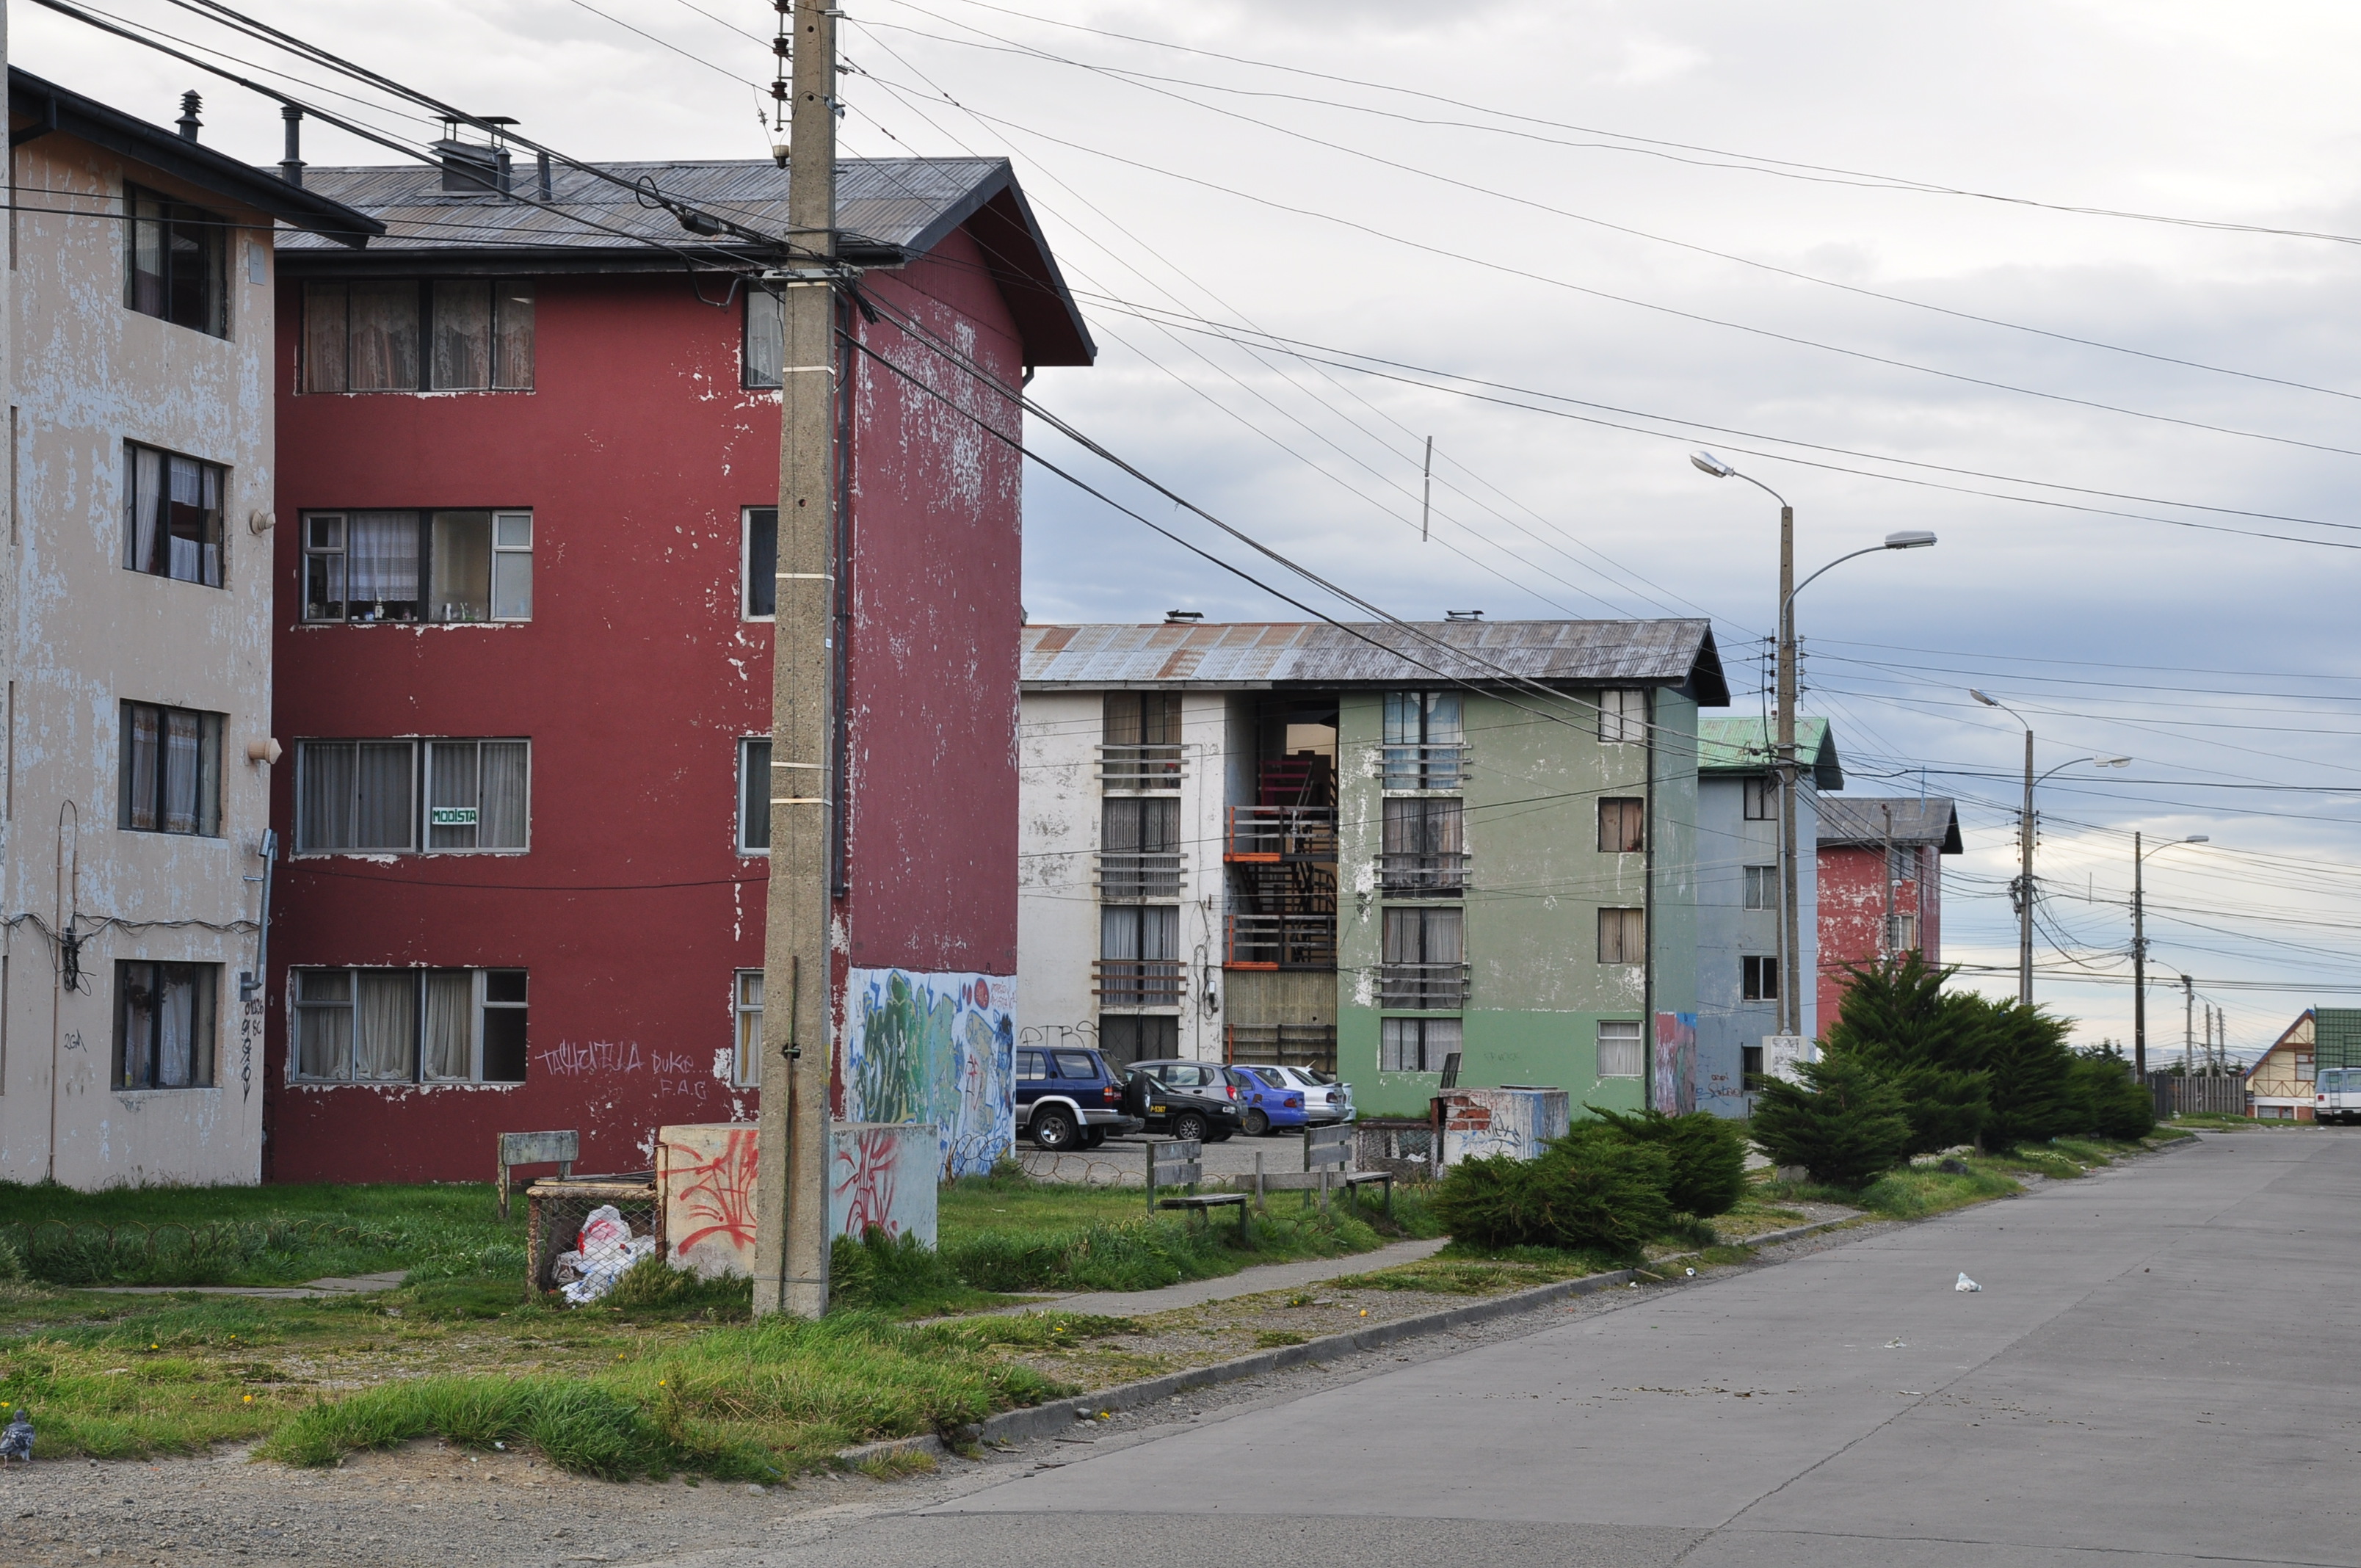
(16, 1438)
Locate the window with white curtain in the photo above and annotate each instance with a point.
(407, 1026)
(172, 515)
(1417, 1045)
(378, 797)
(765, 355)
(1620, 1054)
(746, 1012)
(447, 567)
(171, 771)
(1623, 716)
(454, 335)
(164, 1024)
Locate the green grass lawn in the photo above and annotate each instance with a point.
(666, 1373)
(1914, 1191)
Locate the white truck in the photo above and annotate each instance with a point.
(2337, 1094)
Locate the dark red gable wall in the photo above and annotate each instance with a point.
(1853, 914)
(634, 680)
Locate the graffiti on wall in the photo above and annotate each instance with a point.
(939, 1048)
(1675, 1064)
(882, 1178)
(707, 1175)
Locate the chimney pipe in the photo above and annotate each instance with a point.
(541, 173)
(291, 167)
(189, 123)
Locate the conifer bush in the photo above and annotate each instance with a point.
(1595, 1190)
(1707, 1154)
(2110, 1101)
(1844, 1124)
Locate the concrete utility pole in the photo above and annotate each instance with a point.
(2024, 884)
(791, 1239)
(1791, 979)
(2188, 1026)
(2139, 969)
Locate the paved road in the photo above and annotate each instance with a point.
(2140, 1383)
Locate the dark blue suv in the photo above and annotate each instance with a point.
(1067, 1098)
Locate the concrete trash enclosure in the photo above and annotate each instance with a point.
(1511, 1120)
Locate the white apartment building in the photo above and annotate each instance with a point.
(134, 640)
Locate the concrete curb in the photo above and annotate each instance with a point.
(1060, 1415)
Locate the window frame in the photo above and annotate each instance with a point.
(1391, 1056)
(211, 729)
(1623, 715)
(1762, 883)
(747, 372)
(1623, 919)
(746, 1029)
(1623, 825)
(1628, 1033)
(498, 584)
(748, 567)
(1760, 799)
(498, 327)
(481, 1003)
(420, 812)
(1757, 977)
(211, 231)
(204, 1046)
(216, 525)
(1420, 749)
(752, 778)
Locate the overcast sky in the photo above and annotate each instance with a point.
(1542, 221)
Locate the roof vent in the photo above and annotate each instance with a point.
(468, 168)
(1463, 615)
(189, 123)
(1182, 616)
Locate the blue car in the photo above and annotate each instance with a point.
(1289, 1097)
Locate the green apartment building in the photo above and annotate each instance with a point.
(1456, 851)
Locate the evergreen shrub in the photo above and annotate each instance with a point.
(1707, 1154)
(1595, 1190)
(1844, 1124)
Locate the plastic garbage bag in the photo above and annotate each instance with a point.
(1966, 1284)
(603, 1252)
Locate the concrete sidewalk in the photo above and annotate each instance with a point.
(1245, 1282)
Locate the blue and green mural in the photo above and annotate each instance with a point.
(934, 1048)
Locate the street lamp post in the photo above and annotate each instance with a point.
(1791, 1001)
(2139, 950)
(2025, 846)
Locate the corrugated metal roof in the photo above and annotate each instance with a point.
(1300, 653)
(1934, 820)
(891, 202)
(889, 210)
(1745, 746)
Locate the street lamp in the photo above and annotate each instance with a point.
(2025, 846)
(2139, 948)
(1791, 1001)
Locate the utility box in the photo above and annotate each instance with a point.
(880, 1174)
(1513, 1120)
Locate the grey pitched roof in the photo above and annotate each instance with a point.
(1934, 820)
(890, 211)
(1745, 746)
(37, 108)
(1251, 654)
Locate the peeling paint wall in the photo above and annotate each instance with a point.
(1852, 881)
(638, 451)
(1728, 932)
(83, 635)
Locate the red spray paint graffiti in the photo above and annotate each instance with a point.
(717, 1195)
(866, 1165)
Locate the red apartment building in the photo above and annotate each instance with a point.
(526, 517)
(1881, 884)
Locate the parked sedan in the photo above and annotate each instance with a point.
(1185, 1099)
(1269, 1098)
(1325, 1098)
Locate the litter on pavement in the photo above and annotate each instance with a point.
(1966, 1284)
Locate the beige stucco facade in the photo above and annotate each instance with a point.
(81, 634)
(2279, 1084)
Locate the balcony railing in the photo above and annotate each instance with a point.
(1425, 767)
(1413, 874)
(1142, 873)
(1281, 941)
(1426, 988)
(1139, 767)
(1140, 982)
(1281, 833)
(1282, 1045)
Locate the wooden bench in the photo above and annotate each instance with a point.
(1181, 1162)
(560, 1149)
(1330, 1148)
